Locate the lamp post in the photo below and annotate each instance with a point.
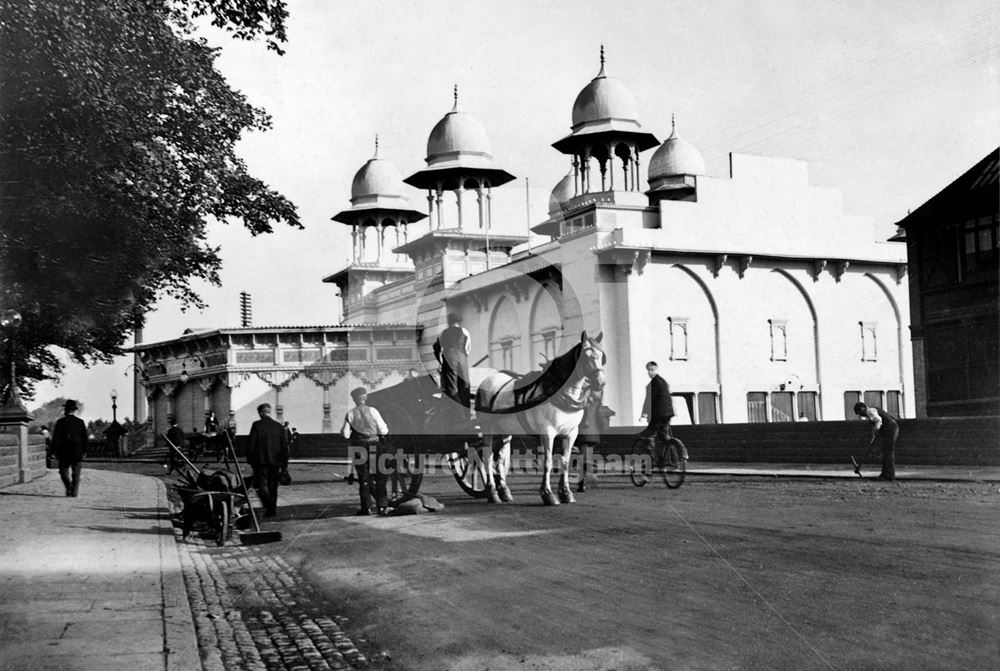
(115, 431)
(12, 406)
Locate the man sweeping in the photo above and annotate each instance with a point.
(885, 429)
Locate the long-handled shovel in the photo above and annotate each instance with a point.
(255, 537)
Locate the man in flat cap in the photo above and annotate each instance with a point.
(364, 427)
(69, 444)
(267, 452)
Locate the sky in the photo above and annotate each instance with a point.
(888, 101)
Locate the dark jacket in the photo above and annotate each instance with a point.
(658, 406)
(175, 435)
(267, 444)
(69, 439)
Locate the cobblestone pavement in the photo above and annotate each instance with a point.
(252, 610)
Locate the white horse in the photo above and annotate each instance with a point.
(548, 404)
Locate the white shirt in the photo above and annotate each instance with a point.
(365, 420)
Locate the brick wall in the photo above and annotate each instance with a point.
(969, 441)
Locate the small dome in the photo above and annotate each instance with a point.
(675, 156)
(563, 191)
(457, 133)
(377, 177)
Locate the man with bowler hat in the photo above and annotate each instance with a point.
(267, 452)
(69, 444)
(363, 427)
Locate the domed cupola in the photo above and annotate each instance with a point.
(377, 180)
(605, 128)
(605, 100)
(459, 138)
(673, 168)
(459, 159)
(562, 192)
(378, 209)
(676, 156)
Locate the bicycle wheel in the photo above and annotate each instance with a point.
(640, 450)
(672, 463)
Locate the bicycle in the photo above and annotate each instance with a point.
(668, 459)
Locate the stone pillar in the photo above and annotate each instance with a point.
(458, 202)
(439, 201)
(635, 150)
(380, 231)
(480, 202)
(14, 421)
(611, 167)
(576, 176)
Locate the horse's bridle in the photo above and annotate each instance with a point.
(591, 368)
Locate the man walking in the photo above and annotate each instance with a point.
(69, 444)
(175, 435)
(363, 427)
(885, 428)
(267, 452)
(452, 351)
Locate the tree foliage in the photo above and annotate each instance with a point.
(117, 150)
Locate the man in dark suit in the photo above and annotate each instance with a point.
(175, 435)
(267, 452)
(69, 444)
(658, 406)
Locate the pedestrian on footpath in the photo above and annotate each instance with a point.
(364, 428)
(267, 452)
(69, 444)
(885, 429)
(175, 434)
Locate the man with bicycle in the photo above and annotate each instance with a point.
(658, 408)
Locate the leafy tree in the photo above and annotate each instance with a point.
(47, 414)
(117, 150)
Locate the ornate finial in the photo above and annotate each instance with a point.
(376, 145)
(455, 94)
(673, 125)
(601, 73)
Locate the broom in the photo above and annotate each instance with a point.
(255, 537)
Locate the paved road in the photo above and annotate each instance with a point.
(724, 573)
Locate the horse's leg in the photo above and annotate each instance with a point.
(565, 493)
(502, 467)
(491, 490)
(548, 498)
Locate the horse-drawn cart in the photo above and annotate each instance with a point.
(546, 405)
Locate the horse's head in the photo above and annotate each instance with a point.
(592, 359)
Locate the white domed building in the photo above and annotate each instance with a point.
(759, 297)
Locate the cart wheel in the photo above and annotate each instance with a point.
(223, 528)
(469, 469)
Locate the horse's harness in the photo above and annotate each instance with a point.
(561, 398)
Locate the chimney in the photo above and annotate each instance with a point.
(246, 310)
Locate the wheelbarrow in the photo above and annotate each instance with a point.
(210, 498)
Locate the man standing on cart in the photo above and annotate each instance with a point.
(364, 428)
(452, 351)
